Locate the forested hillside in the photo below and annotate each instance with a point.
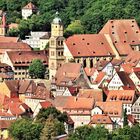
(92, 14)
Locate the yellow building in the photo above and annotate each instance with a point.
(56, 47)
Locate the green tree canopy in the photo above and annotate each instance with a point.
(37, 69)
(44, 114)
(74, 28)
(89, 133)
(24, 129)
(52, 128)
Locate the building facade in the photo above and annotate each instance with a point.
(56, 48)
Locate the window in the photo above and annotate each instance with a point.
(52, 53)
(52, 42)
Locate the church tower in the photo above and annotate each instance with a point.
(56, 47)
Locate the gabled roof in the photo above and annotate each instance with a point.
(16, 107)
(89, 45)
(13, 85)
(123, 32)
(30, 6)
(67, 72)
(24, 58)
(99, 77)
(117, 62)
(100, 119)
(73, 90)
(96, 95)
(89, 71)
(111, 108)
(7, 39)
(125, 79)
(41, 93)
(125, 96)
(128, 68)
(133, 58)
(101, 64)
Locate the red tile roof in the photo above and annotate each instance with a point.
(16, 107)
(7, 39)
(4, 124)
(89, 45)
(133, 58)
(117, 62)
(5, 114)
(100, 119)
(46, 104)
(99, 78)
(13, 46)
(125, 96)
(77, 103)
(30, 6)
(127, 68)
(96, 95)
(111, 108)
(123, 34)
(3, 99)
(68, 72)
(89, 71)
(101, 64)
(24, 58)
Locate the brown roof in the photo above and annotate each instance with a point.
(24, 58)
(27, 86)
(30, 6)
(13, 85)
(6, 39)
(96, 95)
(126, 96)
(111, 108)
(4, 124)
(41, 93)
(125, 79)
(89, 45)
(123, 33)
(100, 119)
(69, 71)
